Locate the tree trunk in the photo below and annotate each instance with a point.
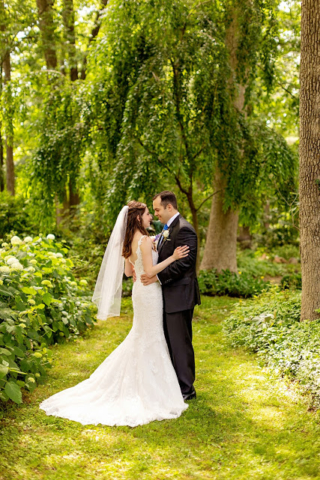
(46, 25)
(221, 244)
(74, 198)
(10, 180)
(68, 22)
(1, 163)
(309, 159)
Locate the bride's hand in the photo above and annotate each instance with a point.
(181, 252)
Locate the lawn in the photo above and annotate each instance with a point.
(244, 424)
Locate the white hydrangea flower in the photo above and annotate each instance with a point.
(16, 266)
(16, 240)
(33, 261)
(4, 244)
(59, 255)
(50, 236)
(28, 239)
(10, 260)
(4, 269)
(30, 269)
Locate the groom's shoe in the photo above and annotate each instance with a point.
(189, 396)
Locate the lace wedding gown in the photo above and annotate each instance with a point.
(136, 383)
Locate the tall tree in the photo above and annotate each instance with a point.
(47, 28)
(309, 159)
(6, 69)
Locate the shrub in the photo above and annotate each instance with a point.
(227, 283)
(270, 325)
(40, 303)
(249, 264)
(286, 252)
(293, 280)
(14, 215)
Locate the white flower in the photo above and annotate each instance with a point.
(4, 244)
(30, 269)
(28, 239)
(33, 261)
(59, 255)
(16, 266)
(10, 260)
(15, 240)
(50, 236)
(166, 234)
(5, 269)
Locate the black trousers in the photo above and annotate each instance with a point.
(178, 332)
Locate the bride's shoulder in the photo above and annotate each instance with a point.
(145, 241)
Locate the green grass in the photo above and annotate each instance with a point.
(244, 425)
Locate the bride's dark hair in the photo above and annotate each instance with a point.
(135, 212)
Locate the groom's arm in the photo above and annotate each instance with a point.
(177, 269)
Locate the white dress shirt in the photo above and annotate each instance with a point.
(169, 223)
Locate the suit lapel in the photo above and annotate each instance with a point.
(173, 224)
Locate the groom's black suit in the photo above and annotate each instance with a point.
(180, 294)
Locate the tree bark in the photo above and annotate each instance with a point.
(46, 25)
(10, 180)
(1, 163)
(68, 22)
(309, 159)
(221, 244)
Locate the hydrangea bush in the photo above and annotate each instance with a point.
(41, 303)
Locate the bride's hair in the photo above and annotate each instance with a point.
(134, 222)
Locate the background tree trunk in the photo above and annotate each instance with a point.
(47, 29)
(10, 180)
(309, 159)
(2, 185)
(221, 245)
(70, 37)
(69, 27)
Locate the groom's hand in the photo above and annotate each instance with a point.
(145, 280)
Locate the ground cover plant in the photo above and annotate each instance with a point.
(239, 284)
(244, 424)
(41, 303)
(270, 326)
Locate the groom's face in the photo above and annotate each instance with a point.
(163, 214)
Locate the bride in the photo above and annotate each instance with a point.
(137, 383)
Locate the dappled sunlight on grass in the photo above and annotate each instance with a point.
(243, 424)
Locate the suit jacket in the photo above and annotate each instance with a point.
(179, 280)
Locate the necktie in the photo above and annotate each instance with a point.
(161, 238)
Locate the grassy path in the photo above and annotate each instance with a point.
(243, 425)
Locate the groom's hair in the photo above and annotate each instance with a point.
(166, 198)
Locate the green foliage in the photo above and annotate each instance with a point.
(270, 325)
(244, 424)
(249, 264)
(293, 280)
(41, 303)
(286, 251)
(228, 283)
(14, 215)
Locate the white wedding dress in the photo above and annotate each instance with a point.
(136, 383)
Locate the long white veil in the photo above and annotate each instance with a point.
(108, 289)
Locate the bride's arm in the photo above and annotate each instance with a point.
(152, 270)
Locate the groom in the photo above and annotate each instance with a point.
(179, 287)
